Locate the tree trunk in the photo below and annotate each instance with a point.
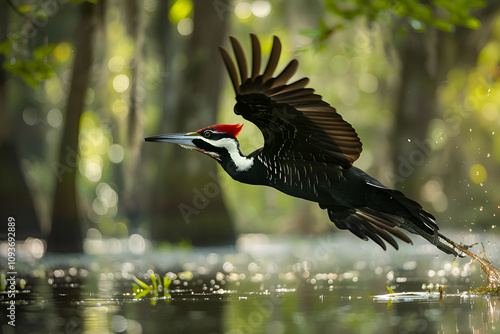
(416, 105)
(188, 204)
(129, 203)
(15, 197)
(66, 231)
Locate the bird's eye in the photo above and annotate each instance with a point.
(207, 134)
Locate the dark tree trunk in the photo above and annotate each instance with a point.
(188, 204)
(416, 105)
(66, 231)
(129, 203)
(15, 197)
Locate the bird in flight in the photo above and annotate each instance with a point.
(308, 153)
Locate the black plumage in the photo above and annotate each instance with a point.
(309, 150)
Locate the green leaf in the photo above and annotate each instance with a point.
(24, 9)
(22, 69)
(41, 14)
(30, 80)
(80, 1)
(43, 71)
(311, 33)
(141, 283)
(5, 47)
(443, 25)
(44, 51)
(472, 23)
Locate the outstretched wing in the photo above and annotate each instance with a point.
(295, 122)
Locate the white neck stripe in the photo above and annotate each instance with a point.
(242, 163)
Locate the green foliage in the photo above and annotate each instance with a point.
(33, 68)
(31, 71)
(441, 14)
(80, 1)
(43, 51)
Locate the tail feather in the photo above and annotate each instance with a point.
(366, 224)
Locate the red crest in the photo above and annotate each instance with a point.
(230, 129)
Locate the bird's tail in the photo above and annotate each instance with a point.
(413, 218)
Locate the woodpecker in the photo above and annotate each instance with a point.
(308, 152)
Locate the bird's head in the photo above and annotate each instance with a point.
(215, 140)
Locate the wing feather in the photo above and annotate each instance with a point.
(231, 69)
(289, 115)
(256, 57)
(240, 58)
(273, 59)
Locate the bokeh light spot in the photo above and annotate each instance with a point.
(116, 63)
(120, 109)
(121, 83)
(180, 10)
(30, 116)
(136, 244)
(116, 153)
(185, 26)
(90, 169)
(62, 52)
(54, 117)
(261, 8)
(490, 112)
(243, 10)
(477, 173)
(368, 83)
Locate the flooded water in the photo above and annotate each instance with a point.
(333, 284)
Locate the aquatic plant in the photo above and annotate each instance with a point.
(142, 289)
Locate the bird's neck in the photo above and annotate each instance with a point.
(235, 163)
(242, 168)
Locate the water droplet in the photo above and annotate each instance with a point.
(480, 208)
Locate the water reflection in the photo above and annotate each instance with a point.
(281, 287)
